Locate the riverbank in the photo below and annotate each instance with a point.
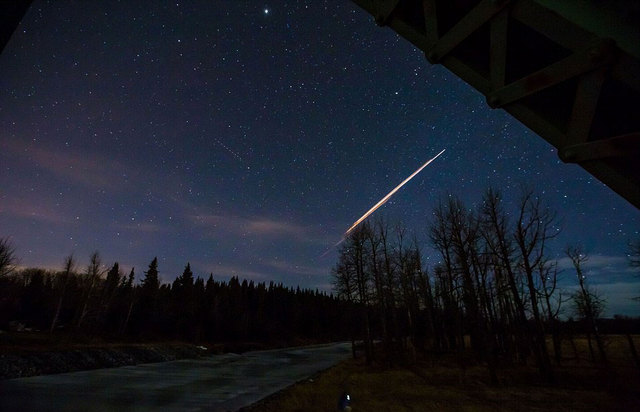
(31, 355)
(24, 354)
(437, 382)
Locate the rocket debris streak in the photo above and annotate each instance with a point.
(384, 199)
(382, 202)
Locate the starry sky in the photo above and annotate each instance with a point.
(246, 137)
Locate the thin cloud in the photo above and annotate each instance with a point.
(248, 226)
(271, 227)
(619, 297)
(599, 269)
(294, 268)
(599, 262)
(225, 223)
(22, 208)
(146, 227)
(87, 169)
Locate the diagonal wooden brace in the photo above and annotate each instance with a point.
(385, 11)
(480, 14)
(589, 59)
(627, 145)
(430, 23)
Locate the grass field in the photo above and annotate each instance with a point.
(439, 384)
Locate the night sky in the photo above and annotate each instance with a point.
(246, 137)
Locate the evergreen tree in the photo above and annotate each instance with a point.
(184, 304)
(113, 278)
(148, 316)
(184, 281)
(111, 285)
(187, 276)
(151, 282)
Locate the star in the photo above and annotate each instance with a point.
(276, 138)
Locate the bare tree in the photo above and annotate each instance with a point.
(63, 280)
(457, 235)
(130, 296)
(588, 304)
(551, 305)
(344, 284)
(428, 301)
(389, 279)
(343, 280)
(377, 269)
(93, 274)
(447, 279)
(535, 226)
(351, 272)
(408, 264)
(357, 243)
(8, 258)
(497, 235)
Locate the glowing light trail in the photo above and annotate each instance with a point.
(235, 154)
(388, 196)
(382, 202)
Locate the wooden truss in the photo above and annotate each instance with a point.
(569, 70)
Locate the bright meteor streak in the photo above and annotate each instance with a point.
(384, 199)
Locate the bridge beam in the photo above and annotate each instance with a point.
(567, 70)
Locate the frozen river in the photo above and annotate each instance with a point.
(216, 383)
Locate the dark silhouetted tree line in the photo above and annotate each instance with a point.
(110, 304)
(493, 293)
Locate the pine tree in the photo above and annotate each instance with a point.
(151, 283)
(187, 276)
(111, 285)
(149, 319)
